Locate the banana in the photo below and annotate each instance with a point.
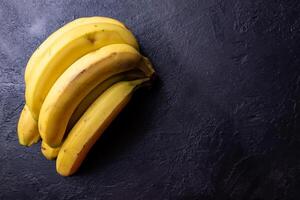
(78, 80)
(41, 51)
(28, 136)
(49, 152)
(92, 124)
(99, 89)
(28, 132)
(59, 56)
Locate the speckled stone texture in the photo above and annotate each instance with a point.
(221, 122)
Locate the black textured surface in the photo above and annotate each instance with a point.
(222, 122)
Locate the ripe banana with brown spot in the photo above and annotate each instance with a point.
(92, 124)
(64, 52)
(51, 153)
(81, 78)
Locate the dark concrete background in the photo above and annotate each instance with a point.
(222, 122)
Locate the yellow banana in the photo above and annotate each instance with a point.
(41, 51)
(28, 132)
(28, 138)
(59, 56)
(92, 124)
(78, 80)
(49, 152)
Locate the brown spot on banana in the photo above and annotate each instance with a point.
(91, 38)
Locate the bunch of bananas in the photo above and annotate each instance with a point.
(77, 82)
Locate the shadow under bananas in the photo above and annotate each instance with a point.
(124, 131)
